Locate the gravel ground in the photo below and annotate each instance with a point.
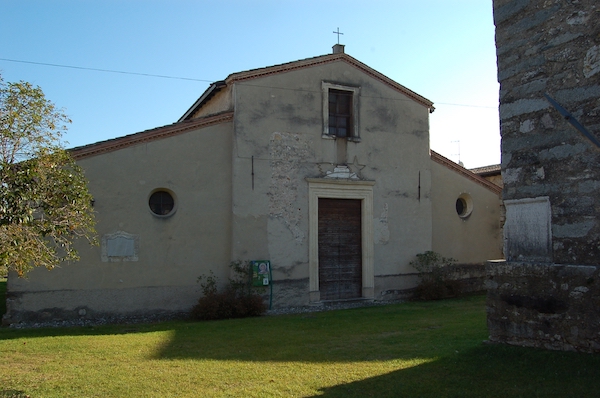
(127, 320)
(338, 305)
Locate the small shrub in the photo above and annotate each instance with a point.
(208, 283)
(237, 300)
(435, 283)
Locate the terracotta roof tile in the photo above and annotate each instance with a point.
(148, 135)
(309, 62)
(436, 157)
(487, 170)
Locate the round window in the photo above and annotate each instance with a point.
(464, 205)
(461, 206)
(161, 203)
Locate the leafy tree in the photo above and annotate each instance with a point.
(44, 201)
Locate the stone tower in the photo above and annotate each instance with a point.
(547, 292)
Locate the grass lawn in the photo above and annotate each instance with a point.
(424, 349)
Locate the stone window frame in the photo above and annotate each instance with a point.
(341, 189)
(355, 92)
(466, 202)
(171, 194)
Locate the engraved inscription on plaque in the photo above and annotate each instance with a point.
(527, 231)
(120, 246)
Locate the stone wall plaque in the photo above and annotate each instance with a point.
(528, 230)
(120, 246)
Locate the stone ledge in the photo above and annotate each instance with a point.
(552, 306)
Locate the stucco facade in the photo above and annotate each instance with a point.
(459, 236)
(247, 166)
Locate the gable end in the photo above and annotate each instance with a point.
(301, 64)
(436, 157)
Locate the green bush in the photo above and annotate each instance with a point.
(435, 283)
(237, 300)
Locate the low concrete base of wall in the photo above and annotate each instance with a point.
(288, 293)
(55, 305)
(548, 306)
(467, 279)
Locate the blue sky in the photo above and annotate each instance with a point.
(442, 49)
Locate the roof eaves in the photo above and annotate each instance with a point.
(436, 157)
(208, 94)
(148, 135)
(487, 170)
(325, 59)
(300, 64)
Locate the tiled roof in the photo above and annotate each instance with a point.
(325, 59)
(436, 157)
(185, 124)
(148, 135)
(306, 63)
(487, 170)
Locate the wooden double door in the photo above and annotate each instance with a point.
(340, 249)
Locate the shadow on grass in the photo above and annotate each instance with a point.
(13, 394)
(486, 371)
(401, 331)
(448, 334)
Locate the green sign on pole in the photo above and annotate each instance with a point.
(261, 271)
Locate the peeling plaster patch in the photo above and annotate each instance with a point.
(286, 249)
(381, 232)
(591, 62)
(399, 194)
(291, 271)
(287, 152)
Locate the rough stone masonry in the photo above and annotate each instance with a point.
(547, 292)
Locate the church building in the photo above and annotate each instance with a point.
(321, 167)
